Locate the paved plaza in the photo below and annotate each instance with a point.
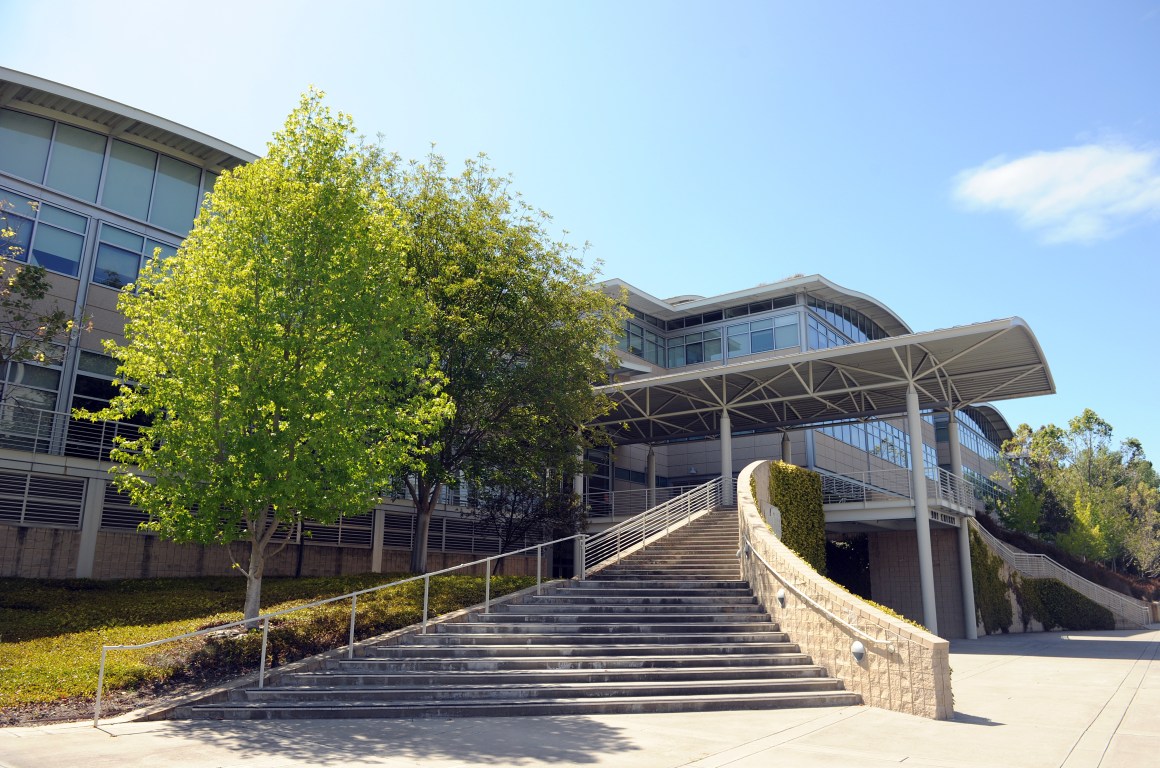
(1074, 699)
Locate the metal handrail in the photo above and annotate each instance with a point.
(864, 486)
(632, 501)
(946, 486)
(640, 530)
(352, 596)
(1038, 566)
(889, 646)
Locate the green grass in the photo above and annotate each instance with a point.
(51, 632)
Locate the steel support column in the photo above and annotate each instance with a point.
(921, 510)
(651, 469)
(970, 622)
(726, 459)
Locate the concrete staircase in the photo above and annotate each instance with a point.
(668, 629)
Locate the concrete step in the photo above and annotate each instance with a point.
(508, 691)
(626, 647)
(708, 659)
(387, 680)
(664, 636)
(617, 617)
(561, 706)
(621, 607)
(610, 600)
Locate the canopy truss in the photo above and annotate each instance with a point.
(997, 360)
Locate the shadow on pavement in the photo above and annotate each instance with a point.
(499, 741)
(1117, 644)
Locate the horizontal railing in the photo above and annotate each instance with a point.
(1128, 609)
(612, 543)
(874, 485)
(630, 502)
(264, 619)
(946, 487)
(51, 433)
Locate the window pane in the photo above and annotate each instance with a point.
(676, 356)
(120, 237)
(31, 398)
(693, 354)
(786, 336)
(116, 268)
(715, 334)
(97, 363)
(152, 245)
(738, 345)
(73, 222)
(712, 349)
(129, 180)
(781, 320)
(762, 340)
(175, 199)
(57, 250)
(77, 157)
(34, 376)
(24, 141)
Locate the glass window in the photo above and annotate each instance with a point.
(712, 345)
(77, 157)
(676, 354)
(785, 332)
(17, 246)
(741, 311)
(32, 386)
(116, 268)
(738, 340)
(694, 353)
(24, 142)
(152, 246)
(58, 250)
(122, 238)
(129, 181)
(175, 196)
(761, 338)
(94, 362)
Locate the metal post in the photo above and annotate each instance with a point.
(651, 471)
(100, 688)
(350, 642)
(583, 555)
(726, 459)
(262, 664)
(921, 511)
(487, 586)
(426, 599)
(539, 562)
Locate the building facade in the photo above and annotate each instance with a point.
(802, 370)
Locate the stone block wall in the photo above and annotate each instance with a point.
(904, 668)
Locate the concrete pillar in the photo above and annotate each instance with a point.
(921, 510)
(90, 526)
(377, 526)
(965, 575)
(726, 459)
(652, 478)
(786, 448)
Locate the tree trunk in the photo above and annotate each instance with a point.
(424, 509)
(254, 583)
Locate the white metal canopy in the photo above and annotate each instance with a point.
(996, 360)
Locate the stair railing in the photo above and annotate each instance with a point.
(611, 544)
(1128, 609)
(264, 619)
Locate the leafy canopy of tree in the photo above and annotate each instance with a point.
(519, 331)
(1074, 488)
(271, 351)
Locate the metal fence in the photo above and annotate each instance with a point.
(630, 502)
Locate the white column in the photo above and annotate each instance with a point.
(786, 448)
(921, 510)
(965, 576)
(652, 478)
(577, 543)
(377, 526)
(726, 459)
(90, 525)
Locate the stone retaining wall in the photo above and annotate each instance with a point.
(907, 670)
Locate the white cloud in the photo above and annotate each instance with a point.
(1077, 194)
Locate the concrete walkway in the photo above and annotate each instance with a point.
(1070, 699)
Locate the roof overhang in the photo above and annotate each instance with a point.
(996, 360)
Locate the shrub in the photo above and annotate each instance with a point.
(1058, 606)
(797, 492)
(992, 606)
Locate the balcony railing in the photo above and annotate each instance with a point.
(630, 502)
(51, 433)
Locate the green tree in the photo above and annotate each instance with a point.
(518, 328)
(270, 353)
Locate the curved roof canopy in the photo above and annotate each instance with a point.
(996, 360)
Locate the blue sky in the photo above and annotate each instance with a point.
(959, 164)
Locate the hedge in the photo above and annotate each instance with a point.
(1058, 606)
(992, 607)
(797, 492)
